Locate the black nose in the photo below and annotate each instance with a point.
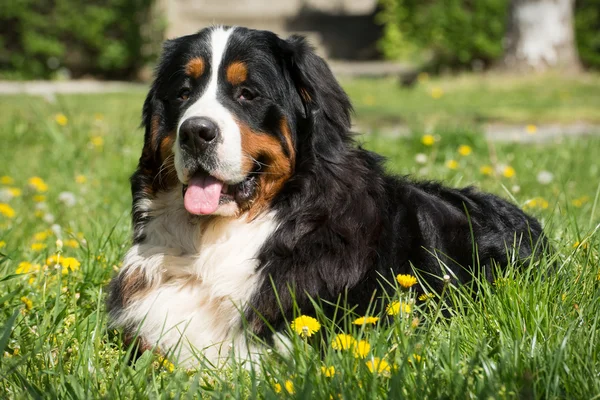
(196, 133)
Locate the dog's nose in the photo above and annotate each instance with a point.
(196, 133)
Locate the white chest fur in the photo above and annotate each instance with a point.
(199, 274)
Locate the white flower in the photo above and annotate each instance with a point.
(421, 158)
(545, 177)
(5, 195)
(56, 228)
(48, 218)
(41, 206)
(515, 189)
(67, 198)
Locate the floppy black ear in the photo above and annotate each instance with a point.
(326, 105)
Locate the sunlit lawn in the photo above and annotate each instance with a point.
(64, 175)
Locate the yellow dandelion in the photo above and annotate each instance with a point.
(97, 141)
(395, 307)
(423, 77)
(305, 326)
(38, 246)
(369, 100)
(531, 129)
(415, 359)
(72, 243)
(563, 297)
(406, 280)
(486, 170)
(289, 387)
(361, 349)
(24, 267)
(598, 276)
(2, 244)
(81, 179)
(578, 244)
(508, 172)
(464, 150)
(7, 180)
(379, 366)
(98, 116)
(452, 164)
(7, 210)
(342, 341)
(14, 192)
(328, 372)
(40, 236)
(39, 198)
(37, 183)
(69, 264)
(428, 140)
(61, 119)
(366, 320)
(426, 296)
(28, 303)
(165, 363)
(437, 92)
(277, 388)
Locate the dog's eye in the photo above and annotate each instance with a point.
(246, 95)
(184, 94)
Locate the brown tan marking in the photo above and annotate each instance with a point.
(237, 72)
(133, 285)
(195, 67)
(278, 166)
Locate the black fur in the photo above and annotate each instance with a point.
(343, 222)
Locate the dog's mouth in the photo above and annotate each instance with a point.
(204, 194)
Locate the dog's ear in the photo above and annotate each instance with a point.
(327, 107)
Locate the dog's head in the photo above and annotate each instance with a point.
(231, 113)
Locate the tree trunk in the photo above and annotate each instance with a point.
(540, 36)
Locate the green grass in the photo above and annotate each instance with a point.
(470, 100)
(532, 334)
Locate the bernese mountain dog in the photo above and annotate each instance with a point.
(251, 199)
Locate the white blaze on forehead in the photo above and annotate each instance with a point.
(229, 149)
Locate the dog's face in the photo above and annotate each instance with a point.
(224, 112)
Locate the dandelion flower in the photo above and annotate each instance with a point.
(464, 150)
(545, 177)
(508, 171)
(426, 296)
(486, 170)
(395, 307)
(14, 192)
(531, 129)
(81, 179)
(343, 341)
(452, 164)
(6, 180)
(28, 303)
(361, 349)
(72, 243)
(7, 210)
(289, 387)
(277, 388)
(40, 236)
(2, 244)
(329, 372)
(38, 246)
(406, 280)
(415, 358)
(379, 366)
(25, 267)
(67, 198)
(421, 158)
(437, 93)
(69, 264)
(37, 183)
(39, 198)
(305, 326)
(61, 119)
(97, 141)
(366, 320)
(428, 140)
(164, 362)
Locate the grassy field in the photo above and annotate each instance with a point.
(64, 175)
(470, 100)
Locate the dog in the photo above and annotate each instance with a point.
(251, 198)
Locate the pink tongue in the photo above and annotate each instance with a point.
(202, 195)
